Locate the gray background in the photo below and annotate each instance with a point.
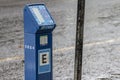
(101, 56)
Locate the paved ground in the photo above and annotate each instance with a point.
(101, 58)
(101, 39)
(11, 38)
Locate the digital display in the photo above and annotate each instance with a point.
(38, 15)
(41, 15)
(43, 40)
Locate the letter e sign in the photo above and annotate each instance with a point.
(44, 58)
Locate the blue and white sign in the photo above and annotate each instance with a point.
(44, 61)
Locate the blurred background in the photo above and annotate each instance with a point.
(12, 37)
(101, 52)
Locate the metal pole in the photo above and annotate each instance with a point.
(79, 39)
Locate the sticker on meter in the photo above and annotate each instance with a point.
(43, 40)
(44, 61)
(37, 15)
(44, 58)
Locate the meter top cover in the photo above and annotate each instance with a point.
(37, 19)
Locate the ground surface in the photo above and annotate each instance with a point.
(101, 39)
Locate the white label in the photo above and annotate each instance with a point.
(38, 15)
(43, 40)
(44, 58)
(29, 47)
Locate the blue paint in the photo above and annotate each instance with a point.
(38, 27)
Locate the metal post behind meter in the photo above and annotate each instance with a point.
(79, 39)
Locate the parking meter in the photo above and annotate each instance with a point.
(38, 27)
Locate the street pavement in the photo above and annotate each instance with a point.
(101, 56)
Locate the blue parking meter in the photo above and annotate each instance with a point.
(38, 27)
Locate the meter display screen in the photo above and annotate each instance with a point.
(38, 15)
(43, 40)
(41, 15)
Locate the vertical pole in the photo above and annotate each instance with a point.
(79, 39)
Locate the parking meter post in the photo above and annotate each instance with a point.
(38, 27)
